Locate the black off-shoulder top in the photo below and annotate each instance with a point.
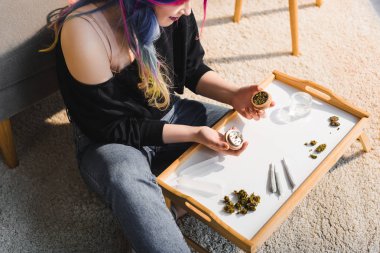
(116, 111)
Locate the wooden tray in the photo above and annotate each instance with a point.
(270, 139)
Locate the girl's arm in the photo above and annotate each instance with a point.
(211, 85)
(199, 134)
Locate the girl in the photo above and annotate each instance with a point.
(121, 64)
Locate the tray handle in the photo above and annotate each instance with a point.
(204, 214)
(201, 214)
(185, 201)
(320, 92)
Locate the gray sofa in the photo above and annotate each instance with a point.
(26, 76)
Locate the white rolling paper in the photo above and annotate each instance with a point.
(288, 174)
(278, 182)
(199, 167)
(201, 187)
(273, 185)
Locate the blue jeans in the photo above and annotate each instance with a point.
(125, 179)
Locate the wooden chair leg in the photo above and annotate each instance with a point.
(319, 3)
(238, 8)
(7, 146)
(364, 140)
(293, 13)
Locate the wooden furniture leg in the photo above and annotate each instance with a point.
(238, 8)
(7, 146)
(168, 202)
(195, 245)
(189, 241)
(293, 12)
(363, 138)
(319, 3)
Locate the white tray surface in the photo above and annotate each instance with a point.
(269, 139)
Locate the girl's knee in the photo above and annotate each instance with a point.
(128, 163)
(114, 165)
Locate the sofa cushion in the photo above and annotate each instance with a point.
(23, 33)
(19, 96)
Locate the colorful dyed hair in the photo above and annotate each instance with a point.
(141, 29)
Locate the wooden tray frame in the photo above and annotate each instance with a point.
(198, 210)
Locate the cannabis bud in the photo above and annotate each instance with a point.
(334, 121)
(244, 204)
(261, 100)
(320, 148)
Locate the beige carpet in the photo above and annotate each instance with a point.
(45, 206)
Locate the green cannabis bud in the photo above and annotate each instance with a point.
(320, 148)
(313, 156)
(334, 121)
(260, 98)
(244, 204)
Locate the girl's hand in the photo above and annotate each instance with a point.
(216, 141)
(241, 102)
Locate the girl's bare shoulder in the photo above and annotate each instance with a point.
(84, 51)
